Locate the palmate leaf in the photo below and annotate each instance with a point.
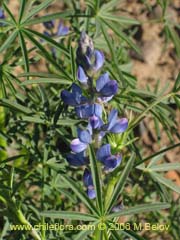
(14, 106)
(22, 8)
(121, 35)
(67, 122)
(136, 121)
(39, 74)
(6, 22)
(165, 167)
(34, 119)
(109, 6)
(96, 178)
(46, 54)
(46, 80)
(168, 183)
(118, 19)
(113, 54)
(115, 235)
(8, 41)
(24, 51)
(37, 9)
(155, 159)
(79, 193)
(133, 235)
(120, 183)
(148, 207)
(68, 215)
(49, 40)
(9, 13)
(58, 15)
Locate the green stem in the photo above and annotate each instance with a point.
(24, 221)
(18, 215)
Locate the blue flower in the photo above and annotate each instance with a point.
(62, 30)
(75, 98)
(106, 87)
(110, 161)
(87, 178)
(88, 182)
(91, 192)
(81, 143)
(77, 159)
(88, 110)
(81, 76)
(86, 46)
(49, 24)
(95, 122)
(90, 59)
(99, 60)
(116, 125)
(94, 63)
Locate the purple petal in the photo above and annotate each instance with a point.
(84, 136)
(101, 135)
(77, 146)
(77, 159)
(103, 152)
(87, 178)
(91, 193)
(62, 30)
(81, 75)
(68, 98)
(76, 89)
(110, 162)
(84, 111)
(110, 88)
(119, 159)
(95, 122)
(97, 110)
(77, 93)
(99, 60)
(112, 118)
(120, 126)
(105, 99)
(89, 128)
(102, 81)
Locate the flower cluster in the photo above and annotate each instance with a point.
(89, 102)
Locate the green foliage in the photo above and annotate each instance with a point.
(36, 183)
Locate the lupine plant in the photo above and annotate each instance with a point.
(99, 92)
(73, 164)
